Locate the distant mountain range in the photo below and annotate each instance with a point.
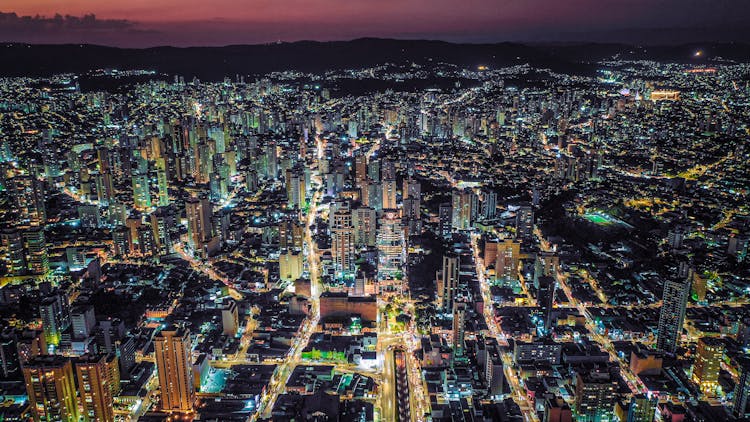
(214, 63)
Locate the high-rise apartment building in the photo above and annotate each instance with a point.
(672, 315)
(174, 365)
(50, 385)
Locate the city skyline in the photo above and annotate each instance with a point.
(374, 230)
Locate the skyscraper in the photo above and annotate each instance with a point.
(742, 389)
(199, 214)
(51, 388)
(459, 327)
(161, 178)
(10, 364)
(489, 204)
(448, 281)
(464, 207)
(641, 409)
(55, 314)
(525, 223)
(290, 235)
(162, 223)
(545, 300)
(707, 365)
(389, 193)
(230, 321)
(174, 365)
(141, 192)
(507, 260)
(97, 376)
(390, 244)
(364, 220)
(594, 395)
(12, 251)
(672, 314)
(445, 220)
(36, 248)
(28, 193)
(342, 242)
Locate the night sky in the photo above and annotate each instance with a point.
(139, 23)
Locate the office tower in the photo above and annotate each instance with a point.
(447, 281)
(742, 389)
(50, 385)
(83, 320)
(161, 178)
(12, 253)
(390, 242)
(96, 385)
(464, 207)
(459, 327)
(507, 261)
(389, 194)
(595, 395)
(364, 220)
(545, 300)
(29, 196)
(36, 248)
(672, 314)
(641, 409)
(230, 321)
(174, 365)
(445, 220)
(342, 242)
(290, 265)
(489, 204)
(162, 223)
(141, 192)
(707, 365)
(525, 223)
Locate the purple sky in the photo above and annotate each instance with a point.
(139, 23)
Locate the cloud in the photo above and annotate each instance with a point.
(69, 29)
(13, 22)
